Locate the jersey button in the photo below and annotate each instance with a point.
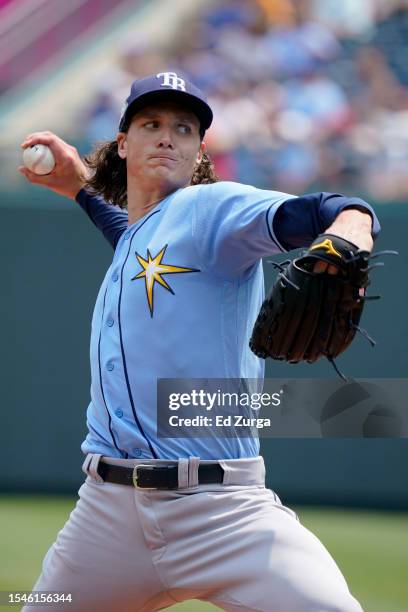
(115, 277)
(110, 322)
(137, 452)
(110, 366)
(127, 235)
(119, 413)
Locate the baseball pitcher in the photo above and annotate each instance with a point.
(159, 521)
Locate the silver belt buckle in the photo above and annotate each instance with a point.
(135, 477)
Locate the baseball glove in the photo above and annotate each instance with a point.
(307, 315)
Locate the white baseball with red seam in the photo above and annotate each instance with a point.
(39, 159)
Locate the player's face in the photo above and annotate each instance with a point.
(161, 146)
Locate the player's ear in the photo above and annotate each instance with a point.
(122, 144)
(201, 152)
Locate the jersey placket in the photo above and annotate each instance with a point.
(115, 382)
(110, 367)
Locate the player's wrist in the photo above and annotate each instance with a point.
(79, 180)
(354, 225)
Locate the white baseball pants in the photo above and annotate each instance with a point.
(232, 544)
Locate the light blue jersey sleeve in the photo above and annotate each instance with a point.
(233, 226)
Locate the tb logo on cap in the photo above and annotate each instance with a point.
(170, 79)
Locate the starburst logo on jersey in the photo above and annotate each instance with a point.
(153, 270)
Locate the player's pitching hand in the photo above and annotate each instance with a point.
(352, 225)
(68, 176)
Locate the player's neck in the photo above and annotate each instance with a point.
(140, 204)
(142, 199)
(137, 211)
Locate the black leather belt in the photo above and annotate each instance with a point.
(156, 477)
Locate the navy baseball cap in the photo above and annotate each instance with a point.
(166, 86)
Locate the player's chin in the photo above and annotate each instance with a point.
(171, 176)
(162, 168)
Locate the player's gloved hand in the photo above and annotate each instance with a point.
(309, 314)
(68, 175)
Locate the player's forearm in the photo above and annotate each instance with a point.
(298, 221)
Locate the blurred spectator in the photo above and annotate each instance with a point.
(377, 86)
(103, 116)
(347, 17)
(135, 60)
